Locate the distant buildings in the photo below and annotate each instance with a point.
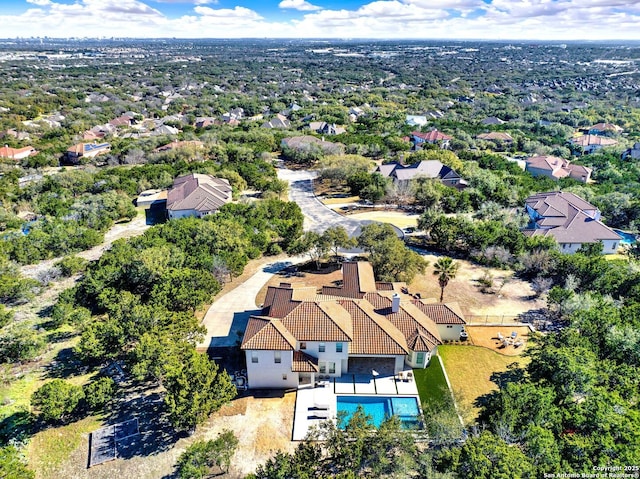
(325, 128)
(197, 195)
(17, 154)
(180, 144)
(278, 121)
(557, 168)
(86, 150)
(588, 144)
(416, 120)
(433, 137)
(498, 136)
(632, 153)
(570, 220)
(605, 128)
(426, 169)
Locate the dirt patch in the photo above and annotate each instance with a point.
(515, 297)
(487, 337)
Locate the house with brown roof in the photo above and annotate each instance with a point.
(433, 137)
(17, 154)
(198, 195)
(555, 168)
(302, 335)
(86, 150)
(604, 128)
(588, 144)
(497, 136)
(570, 220)
(175, 144)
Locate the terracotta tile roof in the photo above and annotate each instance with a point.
(384, 286)
(441, 313)
(319, 321)
(588, 140)
(496, 136)
(267, 334)
(419, 341)
(303, 363)
(433, 135)
(373, 333)
(357, 279)
(16, 153)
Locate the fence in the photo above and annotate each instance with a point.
(486, 319)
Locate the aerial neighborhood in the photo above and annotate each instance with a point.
(270, 258)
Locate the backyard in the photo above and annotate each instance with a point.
(474, 372)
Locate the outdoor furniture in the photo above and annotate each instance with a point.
(500, 336)
(410, 376)
(517, 344)
(514, 334)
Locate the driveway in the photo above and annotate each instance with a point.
(317, 216)
(227, 318)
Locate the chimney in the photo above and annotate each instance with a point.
(395, 303)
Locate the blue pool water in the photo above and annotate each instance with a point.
(382, 407)
(627, 238)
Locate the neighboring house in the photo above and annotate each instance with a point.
(498, 136)
(416, 120)
(570, 220)
(307, 142)
(632, 153)
(203, 122)
(197, 195)
(91, 135)
(165, 130)
(87, 150)
(180, 144)
(17, 154)
(326, 128)
(301, 336)
(434, 137)
(122, 121)
(426, 169)
(555, 168)
(492, 120)
(591, 143)
(278, 121)
(605, 128)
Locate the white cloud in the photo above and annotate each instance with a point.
(195, 2)
(301, 5)
(472, 19)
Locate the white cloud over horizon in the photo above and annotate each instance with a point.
(406, 19)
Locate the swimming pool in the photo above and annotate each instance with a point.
(627, 238)
(382, 407)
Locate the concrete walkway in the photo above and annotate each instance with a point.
(227, 317)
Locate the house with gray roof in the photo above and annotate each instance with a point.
(426, 169)
(197, 195)
(570, 220)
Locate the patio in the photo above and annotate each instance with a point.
(314, 405)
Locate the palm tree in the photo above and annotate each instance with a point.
(445, 269)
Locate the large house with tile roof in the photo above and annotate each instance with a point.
(433, 137)
(556, 168)
(17, 154)
(198, 195)
(588, 144)
(302, 335)
(570, 220)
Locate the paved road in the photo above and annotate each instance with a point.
(317, 217)
(227, 318)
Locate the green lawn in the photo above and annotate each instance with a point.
(432, 385)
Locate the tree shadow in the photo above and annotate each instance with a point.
(156, 434)
(65, 365)
(514, 373)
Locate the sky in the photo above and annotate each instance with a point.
(384, 19)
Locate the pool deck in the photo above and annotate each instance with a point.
(317, 404)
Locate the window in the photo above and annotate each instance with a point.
(449, 326)
(284, 377)
(303, 345)
(332, 368)
(277, 357)
(419, 358)
(254, 357)
(321, 348)
(338, 347)
(323, 367)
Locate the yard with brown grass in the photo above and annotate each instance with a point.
(475, 371)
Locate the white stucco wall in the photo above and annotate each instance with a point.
(175, 214)
(266, 373)
(450, 332)
(609, 247)
(411, 360)
(329, 355)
